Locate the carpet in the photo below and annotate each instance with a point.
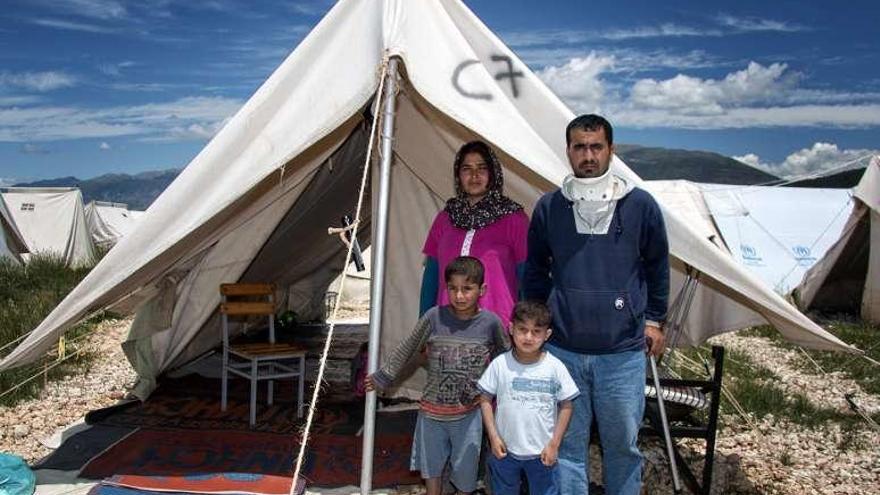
(77, 450)
(331, 459)
(193, 403)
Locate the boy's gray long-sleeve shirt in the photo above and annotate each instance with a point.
(458, 352)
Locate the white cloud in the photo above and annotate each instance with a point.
(8, 181)
(691, 95)
(313, 8)
(667, 30)
(37, 81)
(17, 100)
(33, 149)
(819, 159)
(115, 69)
(72, 25)
(757, 96)
(96, 9)
(200, 116)
(752, 24)
(104, 146)
(578, 81)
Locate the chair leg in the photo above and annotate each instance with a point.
(271, 384)
(302, 384)
(253, 418)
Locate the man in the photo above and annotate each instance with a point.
(598, 255)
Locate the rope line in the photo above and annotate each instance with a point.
(325, 352)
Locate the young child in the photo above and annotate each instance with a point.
(530, 385)
(460, 340)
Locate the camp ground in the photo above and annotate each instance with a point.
(108, 222)
(376, 98)
(12, 243)
(51, 220)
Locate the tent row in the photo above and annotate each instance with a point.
(53, 220)
(109, 222)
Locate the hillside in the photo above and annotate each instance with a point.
(698, 166)
(138, 191)
(840, 180)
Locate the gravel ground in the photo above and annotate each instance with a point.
(774, 457)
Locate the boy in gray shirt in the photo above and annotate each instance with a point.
(460, 340)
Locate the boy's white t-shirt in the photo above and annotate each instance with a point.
(527, 396)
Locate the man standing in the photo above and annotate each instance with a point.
(598, 255)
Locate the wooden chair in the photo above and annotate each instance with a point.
(258, 360)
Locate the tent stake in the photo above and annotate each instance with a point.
(378, 276)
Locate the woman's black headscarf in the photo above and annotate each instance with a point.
(493, 206)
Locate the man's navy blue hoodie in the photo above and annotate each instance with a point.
(600, 288)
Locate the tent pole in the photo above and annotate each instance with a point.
(378, 274)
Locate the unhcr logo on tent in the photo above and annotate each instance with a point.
(750, 255)
(803, 255)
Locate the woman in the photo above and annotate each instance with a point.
(481, 222)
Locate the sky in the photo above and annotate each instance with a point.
(90, 87)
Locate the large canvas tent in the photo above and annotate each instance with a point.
(847, 278)
(52, 220)
(108, 222)
(12, 243)
(255, 204)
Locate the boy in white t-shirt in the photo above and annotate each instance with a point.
(533, 391)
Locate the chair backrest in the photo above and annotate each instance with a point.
(261, 302)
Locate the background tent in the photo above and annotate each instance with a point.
(52, 220)
(778, 233)
(109, 222)
(847, 278)
(255, 204)
(12, 243)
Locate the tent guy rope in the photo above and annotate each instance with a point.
(326, 351)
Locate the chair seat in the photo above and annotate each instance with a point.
(267, 350)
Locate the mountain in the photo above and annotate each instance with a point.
(698, 166)
(840, 180)
(138, 191)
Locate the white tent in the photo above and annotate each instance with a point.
(777, 232)
(12, 243)
(51, 220)
(847, 278)
(108, 222)
(255, 204)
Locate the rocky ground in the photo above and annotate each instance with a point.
(767, 456)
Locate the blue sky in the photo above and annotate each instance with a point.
(89, 87)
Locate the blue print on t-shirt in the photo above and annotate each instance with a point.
(536, 386)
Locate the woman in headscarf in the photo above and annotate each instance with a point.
(478, 221)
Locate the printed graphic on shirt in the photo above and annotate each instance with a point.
(460, 365)
(534, 393)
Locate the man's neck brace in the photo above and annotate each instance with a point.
(594, 200)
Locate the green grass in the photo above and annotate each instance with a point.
(27, 294)
(755, 389)
(860, 334)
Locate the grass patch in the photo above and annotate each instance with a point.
(27, 294)
(753, 387)
(860, 334)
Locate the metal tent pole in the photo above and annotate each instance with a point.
(378, 274)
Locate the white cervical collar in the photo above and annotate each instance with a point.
(594, 200)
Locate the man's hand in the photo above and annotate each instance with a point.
(499, 450)
(549, 454)
(369, 384)
(655, 339)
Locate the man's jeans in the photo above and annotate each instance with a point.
(613, 391)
